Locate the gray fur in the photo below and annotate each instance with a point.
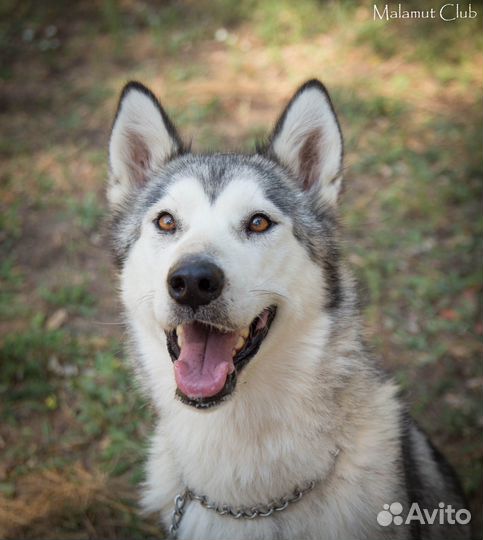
(315, 226)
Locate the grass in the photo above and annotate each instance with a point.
(76, 298)
(87, 213)
(11, 280)
(74, 425)
(53, 377)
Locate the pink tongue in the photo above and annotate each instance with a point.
(205, 361)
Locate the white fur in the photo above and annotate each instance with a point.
(217, 229)
(311, 112)
(291, 407)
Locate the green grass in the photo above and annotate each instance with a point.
(11, 281)
(106, 415)
(87, 212)
(26, 356)
(11, 223)
(76, 298)
(198, 113)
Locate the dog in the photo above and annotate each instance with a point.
(274, 420)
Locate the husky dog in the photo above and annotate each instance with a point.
(274, 421)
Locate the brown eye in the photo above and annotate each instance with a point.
(166, 222)
(259, 223)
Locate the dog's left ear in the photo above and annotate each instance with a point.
(308, 140)
(143, 138)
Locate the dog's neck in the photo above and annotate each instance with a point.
(265, 509)
(261, 442)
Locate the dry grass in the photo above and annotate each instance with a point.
(49, 503)
(45, 497)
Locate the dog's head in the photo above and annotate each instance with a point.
(223, 256)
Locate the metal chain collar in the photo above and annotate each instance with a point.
(252, 512)
(243, 512)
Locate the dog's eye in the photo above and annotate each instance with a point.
(166, 222)
(259, 223)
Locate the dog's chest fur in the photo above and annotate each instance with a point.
(277, 433)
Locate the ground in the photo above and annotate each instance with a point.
(74, 427)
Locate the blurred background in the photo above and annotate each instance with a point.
(73, 432)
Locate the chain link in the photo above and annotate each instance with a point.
(242, 512)
(179, 504)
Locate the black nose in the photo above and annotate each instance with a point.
(195, 281)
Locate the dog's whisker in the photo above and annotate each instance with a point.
(145, 298)
(103, 323)
(268, 293)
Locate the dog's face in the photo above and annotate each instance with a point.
(219, 253)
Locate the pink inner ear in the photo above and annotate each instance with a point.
(139, 157)
(309, 159)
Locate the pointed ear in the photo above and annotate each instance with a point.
(142, 139)
(308, 140)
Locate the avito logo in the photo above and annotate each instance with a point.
(444, 514)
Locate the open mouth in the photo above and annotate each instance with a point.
(207, 359)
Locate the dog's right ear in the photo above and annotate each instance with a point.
(142, 139)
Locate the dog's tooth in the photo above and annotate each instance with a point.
(179, 329)
(240, 343)
(233, 352)
(245, 332)
(180, 339)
